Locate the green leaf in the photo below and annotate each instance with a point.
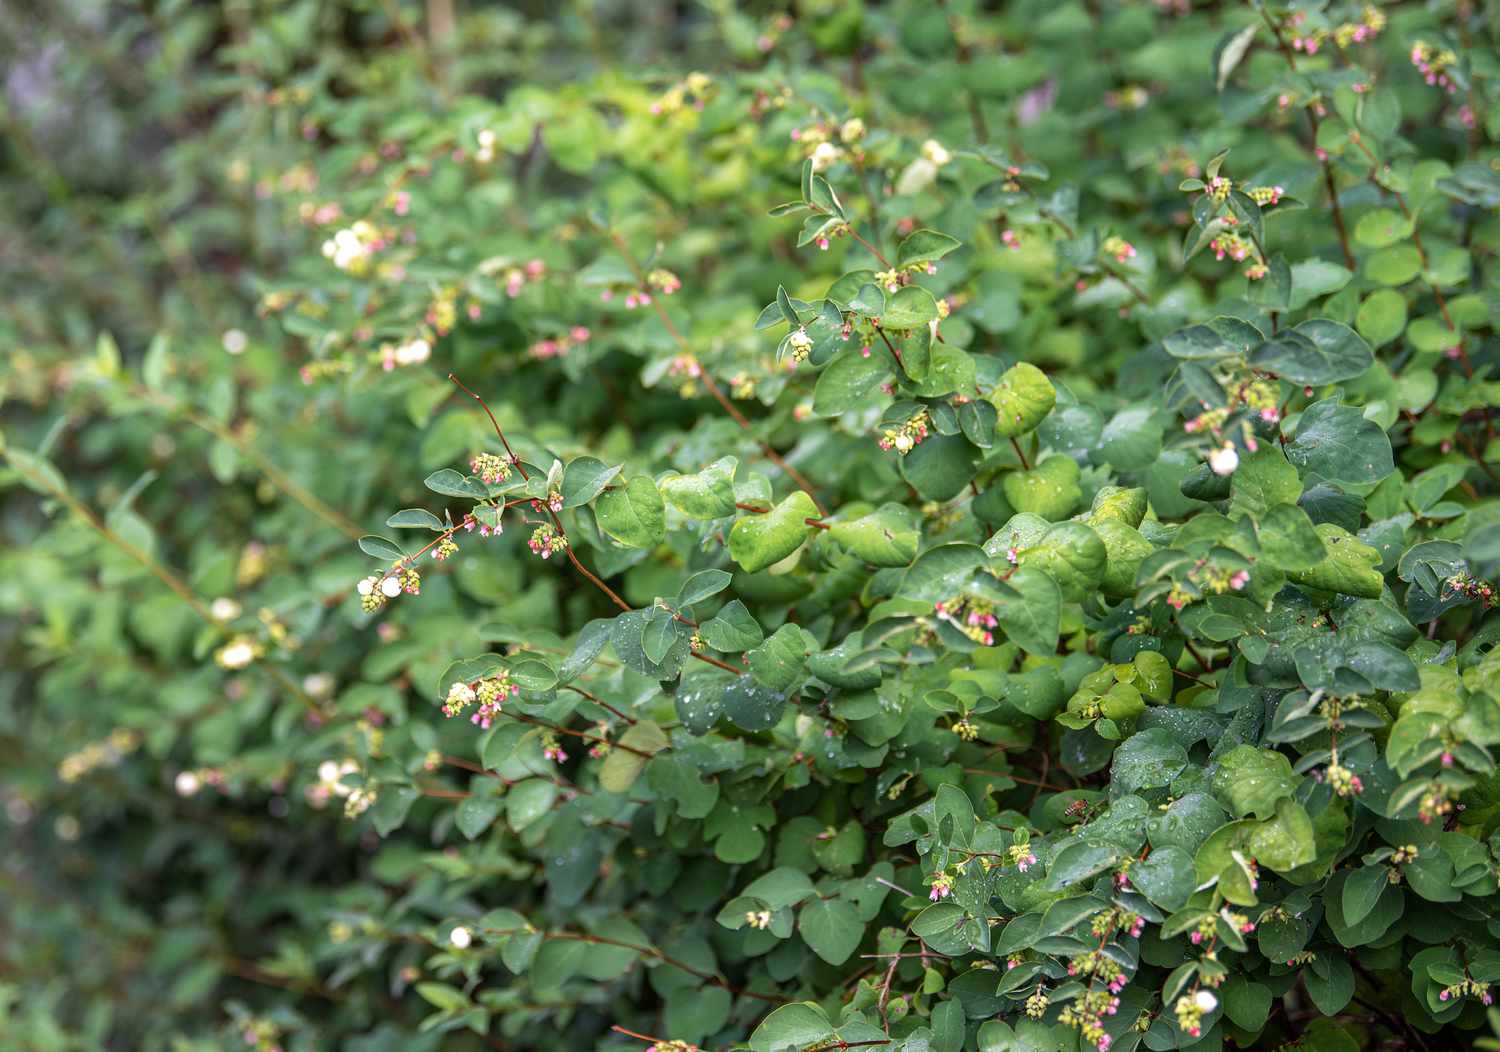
(1394, 266)
(924, 246)
(939, 573)
(831, 928)
(633, 514)
(849, 381)
(1288, 540)
(1050, 490)
(1362, 891)
(732, 629)
(709, 494)
(798, 1026)
(1221, 337)
(1263, 480)
(759, 541)
(1252, 781)
(779, 661)
(1351, 567)
(414, 518)
(451, 483)
(885, 537)
(475, 814)
(1336, 443)
(781, 888)
(378, 547)
(1078, 862)
(1315, 352)
(527, 802)
(624, 763)
(1029, 610)
(1381, 317)
(584, 479)
(700, 586)
(1148, 759)
(909, 307)
(1022, 397)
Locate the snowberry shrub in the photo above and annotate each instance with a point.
(993, 554)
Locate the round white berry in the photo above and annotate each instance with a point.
(461, 937)
(1224, 460)
(1205, 1001)
(366, 586)
(187, 783)
(390, 587)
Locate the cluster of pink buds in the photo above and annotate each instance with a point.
(1436, 803)
(1022, 857)
(973, 617)
(1465, 584)
(412, 352)
(691, 93)
(908, 436)
(1434, 64)
(517, 278)
(556, 347)
(1191, 1008)
(491, 468)
(1218, 187)
(1010, 239)
(1467, 988)
(1238, 921)
(1310, 41)
(261, 1035)
(553, 502)
(445, 548)
(942, 886)
(1119, 248)
(1086, 1015)
(470, 524)
(551, 750)
(600, 749)
(1343, 781)
(1265, 195)
(1231, 245)
(490, 692)
(545, 540)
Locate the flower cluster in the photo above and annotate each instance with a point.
(908, 436)
(1467, 988)
(1265, 195)
(412, 352)
(1434, 64)
(1036, 1004)
(671, 1046)
(545, 540)
(689, 93)
(1310, 41)
(759, 919)
(1119, 248)
(107, 753)
(1436, 803)
(551, 750)
(330, 785)
(1203, 579)
(377, 589)
(490, 692)
(1107, 922)
(351, 248)
(1232, 245)
(1464, 584)
(1343, 781)
(973, 617)
(557, 346)
(1086, 1015)
(1021, 856)
(261, 1034)
(942, 885)
(966, 729)
(491, 468)
(239, 652)
(801, 345)
(659, 280)
(1098, 965)
(1191, 1008)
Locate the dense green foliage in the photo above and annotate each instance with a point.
(910, 525)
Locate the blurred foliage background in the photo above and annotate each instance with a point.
(177, 869)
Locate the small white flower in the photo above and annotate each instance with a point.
(237, 654)
(328, 771)
(461, 937)
(1205, 1001)
(824, 155)
(936, 153)
(224, 609)
(1224, 460)
(390, 587)
(187, 783)
(235, 341)
(318, 684)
